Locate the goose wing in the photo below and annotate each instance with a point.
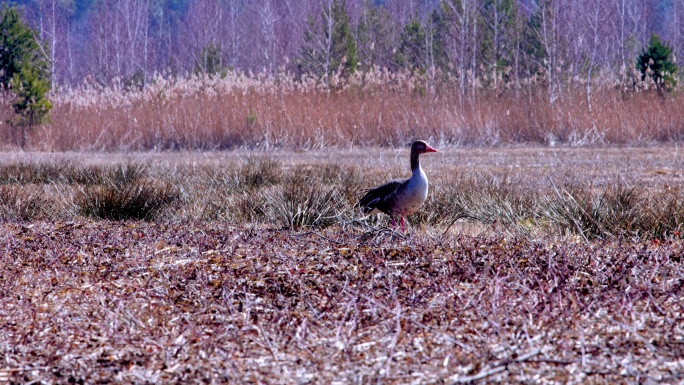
(381, 198)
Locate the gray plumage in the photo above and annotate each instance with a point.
(400, 197)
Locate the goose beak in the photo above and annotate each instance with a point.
(430, 149)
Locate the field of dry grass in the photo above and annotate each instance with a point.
(528, 264)
(527, 191)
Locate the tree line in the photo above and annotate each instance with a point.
(476, 42)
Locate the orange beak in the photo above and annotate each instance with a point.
(430, 149)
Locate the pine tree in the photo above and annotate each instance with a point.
(344, 47)
(24, 71)
(498, 42)
(374, 42)
(535, 55)
(329, 46)
(209, 61)
(656, 62)
(412, 47)
(439, 40)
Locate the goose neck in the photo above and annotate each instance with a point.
(415, 163)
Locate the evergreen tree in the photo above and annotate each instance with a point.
(656, 62)
(343, 44)
(374, 37)
(422, 46)
(30, 104)
(209, 61)
(329, 46)
(535, 54)
(499, 35)
(24, 70)
(18, 47)
(439, 40)
(412, 47)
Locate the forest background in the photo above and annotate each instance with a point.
(471, 39)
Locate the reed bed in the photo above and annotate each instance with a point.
(371, 109)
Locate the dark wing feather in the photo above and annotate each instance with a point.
(381, 197)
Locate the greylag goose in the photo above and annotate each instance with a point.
(400, 197)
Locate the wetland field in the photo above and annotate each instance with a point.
(527, 264)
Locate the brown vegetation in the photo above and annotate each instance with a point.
(526, 264)
(139, 302)
(371, 109)
(558, 192)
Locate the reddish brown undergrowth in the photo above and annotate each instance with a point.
(135, 302)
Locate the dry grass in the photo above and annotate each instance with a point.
(600, 193)
(528, 264)
(371, 109)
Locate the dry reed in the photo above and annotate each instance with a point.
(377, 108)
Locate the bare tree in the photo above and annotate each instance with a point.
(119, 43)
(462, 24)
(51, 18)
(594, 16)
(570, 39)
(236, 9)
(548, 32)
(268, 18)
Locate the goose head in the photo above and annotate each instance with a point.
(421, 147)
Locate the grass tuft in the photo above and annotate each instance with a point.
(302, 201)
(21, 203)
(31, 172)
(618, 210)
(138, 200)
(258, 173)
(310, 193)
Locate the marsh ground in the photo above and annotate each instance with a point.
(242, 273)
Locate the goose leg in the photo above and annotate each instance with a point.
(403, 226)
(394, 223)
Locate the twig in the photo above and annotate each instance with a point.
(318, 235)
(497, 369)
(633, 332)
(19, 370)
(395, 340)
(422, 326)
